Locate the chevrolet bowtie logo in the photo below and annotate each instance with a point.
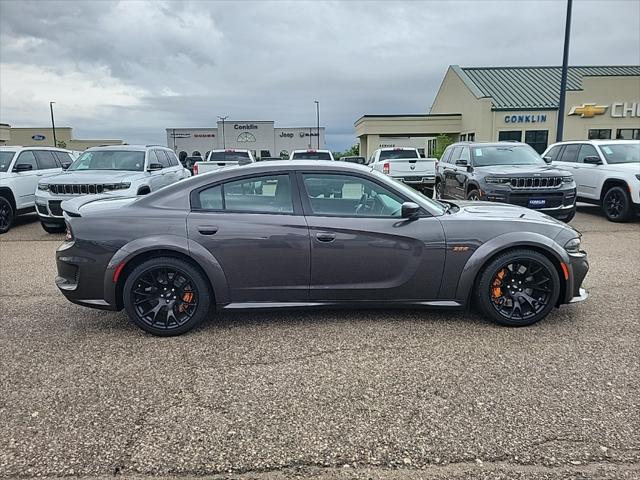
(588, 110)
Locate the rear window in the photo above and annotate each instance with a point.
(228, 156)
(311, 156)
(393, 154)
(5, 160)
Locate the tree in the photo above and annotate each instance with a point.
(354, 151)
(442, 142)
(62, 144)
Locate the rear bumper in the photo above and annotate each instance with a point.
(417, 180)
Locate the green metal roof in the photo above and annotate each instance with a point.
(514, 88)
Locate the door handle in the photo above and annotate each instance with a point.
(207, 230)
(325, 237)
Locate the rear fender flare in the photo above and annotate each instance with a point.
(507, 241)
(174, 243)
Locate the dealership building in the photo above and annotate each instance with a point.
(263, 138)
(43, 137)
(515, 103)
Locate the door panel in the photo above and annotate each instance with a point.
(26, 183)
(587, 175)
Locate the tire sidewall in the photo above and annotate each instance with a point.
(202, 286)
(624, 216)
(472, 193)
(483, 292)
(12, 214)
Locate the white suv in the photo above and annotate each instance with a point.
(20, 170)
(123, 170)
(311, 154)
(607, 173)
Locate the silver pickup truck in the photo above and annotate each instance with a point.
(406, 165)
(218, 159)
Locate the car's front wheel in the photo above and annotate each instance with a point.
(438, 190)
(518, 288)
(617, 204)
(473, 195)
(166, 296)
(6, 215)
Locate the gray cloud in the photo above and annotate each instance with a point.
(138, 67)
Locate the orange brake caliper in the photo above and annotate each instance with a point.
(496, 290)
(186, 297)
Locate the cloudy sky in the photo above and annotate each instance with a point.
(130, 69)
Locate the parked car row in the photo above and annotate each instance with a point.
(42, 178)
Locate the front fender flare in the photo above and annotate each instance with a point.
(503, 242)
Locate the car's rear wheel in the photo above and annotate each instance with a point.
(6, 215)
(518, 288)
(49, 228)
(166, 296)
(473, 195)
(617, 204)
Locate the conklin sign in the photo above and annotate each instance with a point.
(533, 118)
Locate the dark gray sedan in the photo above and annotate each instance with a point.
(300, 241)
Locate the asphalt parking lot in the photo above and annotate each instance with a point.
(330, 394)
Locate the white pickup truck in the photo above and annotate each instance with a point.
(406, 165)
(218, 159)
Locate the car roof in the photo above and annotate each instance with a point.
(21, 147)
(492, 144)
(598, 142)
(310, 150)
(131, 148)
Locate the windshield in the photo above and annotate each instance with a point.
(392, 154)
(228, 156)
(110, 160)
(311, 156)
(621, 152)
(505, 155)
(5, 160)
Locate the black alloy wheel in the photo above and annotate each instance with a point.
(518, 288)
(473, 195)
(166, 296)
(616, 204)
(6, 215)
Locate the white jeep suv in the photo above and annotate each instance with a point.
(20, 170)
(607, 173)
(122, 170)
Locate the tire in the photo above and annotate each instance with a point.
(498, 291)
(148, 300)
(473, 195)
(7, 215)
(437, 191)
(616, 204)
(53, 228)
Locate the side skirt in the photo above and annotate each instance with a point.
(343, 304)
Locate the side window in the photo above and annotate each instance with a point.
(554, 152)
(29, 158)
(446, 156)
(570, 153)
(456, 154)
(161, 158)
(587, 150)
(45, 159)
(173, 160)
(63, 157)
(268, 194)
(464, 155)
(347, 195)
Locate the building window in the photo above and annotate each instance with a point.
(510, 136)
(599, 134)
(537, 139)
(628, 134)
(246, 137)
(463, 137)
(471, 137)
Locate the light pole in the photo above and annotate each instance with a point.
(318, 121)
(565, 68)
(224, 145)
(53, 125)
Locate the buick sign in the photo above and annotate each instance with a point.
(38, 137)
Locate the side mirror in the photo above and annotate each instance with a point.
(23, 167)
(410, 210)
(592, 160)
(65, 165)
(547, 159)
(462, 163)
(154, 167)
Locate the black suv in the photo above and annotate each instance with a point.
(507, 172)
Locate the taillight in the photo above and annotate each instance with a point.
(386, 168)
(195, 169)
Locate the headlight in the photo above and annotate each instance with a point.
(497, 180)
(116, 186)
(638, 176)
(568, 179)
(43, 186)
(573, 245)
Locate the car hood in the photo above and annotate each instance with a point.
(93, 176)
(624, 167)
(522, 170)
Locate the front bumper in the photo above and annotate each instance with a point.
(556, 202)
(579, 266)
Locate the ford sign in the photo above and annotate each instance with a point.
(38, 137)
